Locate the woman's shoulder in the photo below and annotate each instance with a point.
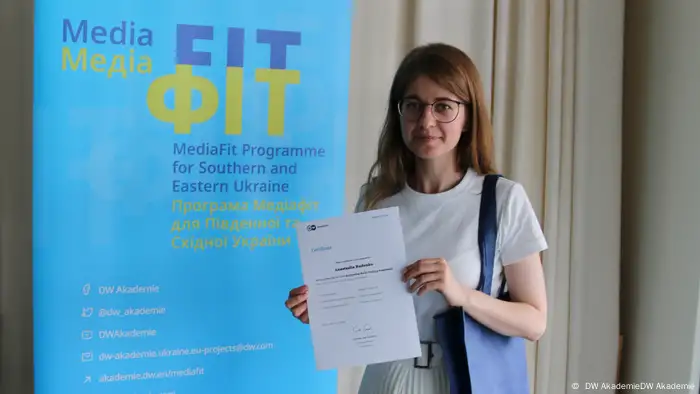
(507, 189)
(510, 194)
(520, 231)
(513, 203)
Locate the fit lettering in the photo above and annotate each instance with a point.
(184, 82)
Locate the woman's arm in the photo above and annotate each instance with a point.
(526, 315)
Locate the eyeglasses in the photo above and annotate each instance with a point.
(444, 111)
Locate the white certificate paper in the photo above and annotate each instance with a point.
(360, 311)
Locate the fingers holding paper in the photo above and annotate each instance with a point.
(434, 275)
(427, 275)
(297, 303)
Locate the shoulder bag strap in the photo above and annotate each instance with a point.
(488, 231)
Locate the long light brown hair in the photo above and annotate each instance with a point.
(453, 70)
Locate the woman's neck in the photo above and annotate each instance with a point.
(435, 176)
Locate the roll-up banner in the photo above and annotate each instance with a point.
(176, 144)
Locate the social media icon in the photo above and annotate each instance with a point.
(87, 312)
(86, 335)
(86, 357)
(86, 289)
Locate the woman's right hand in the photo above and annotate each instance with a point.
(296, 303)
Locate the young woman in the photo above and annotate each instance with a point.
(434, 150)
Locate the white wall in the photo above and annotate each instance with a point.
(661, 192)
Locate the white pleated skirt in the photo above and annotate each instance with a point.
(401, 377)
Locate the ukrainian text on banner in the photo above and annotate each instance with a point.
(176, 144)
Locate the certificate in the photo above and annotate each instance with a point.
(360, 312)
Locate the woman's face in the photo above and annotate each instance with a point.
(432, 119)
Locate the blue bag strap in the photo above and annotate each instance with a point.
(488, 232)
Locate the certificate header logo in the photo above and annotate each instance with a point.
(313, 227)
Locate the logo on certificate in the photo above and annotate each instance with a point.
(313, 227)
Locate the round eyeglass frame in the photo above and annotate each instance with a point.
(432, 108)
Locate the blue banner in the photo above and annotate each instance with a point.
(176, 144)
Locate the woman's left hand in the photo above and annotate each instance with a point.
(434, 274)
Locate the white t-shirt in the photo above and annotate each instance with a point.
(446, 225)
